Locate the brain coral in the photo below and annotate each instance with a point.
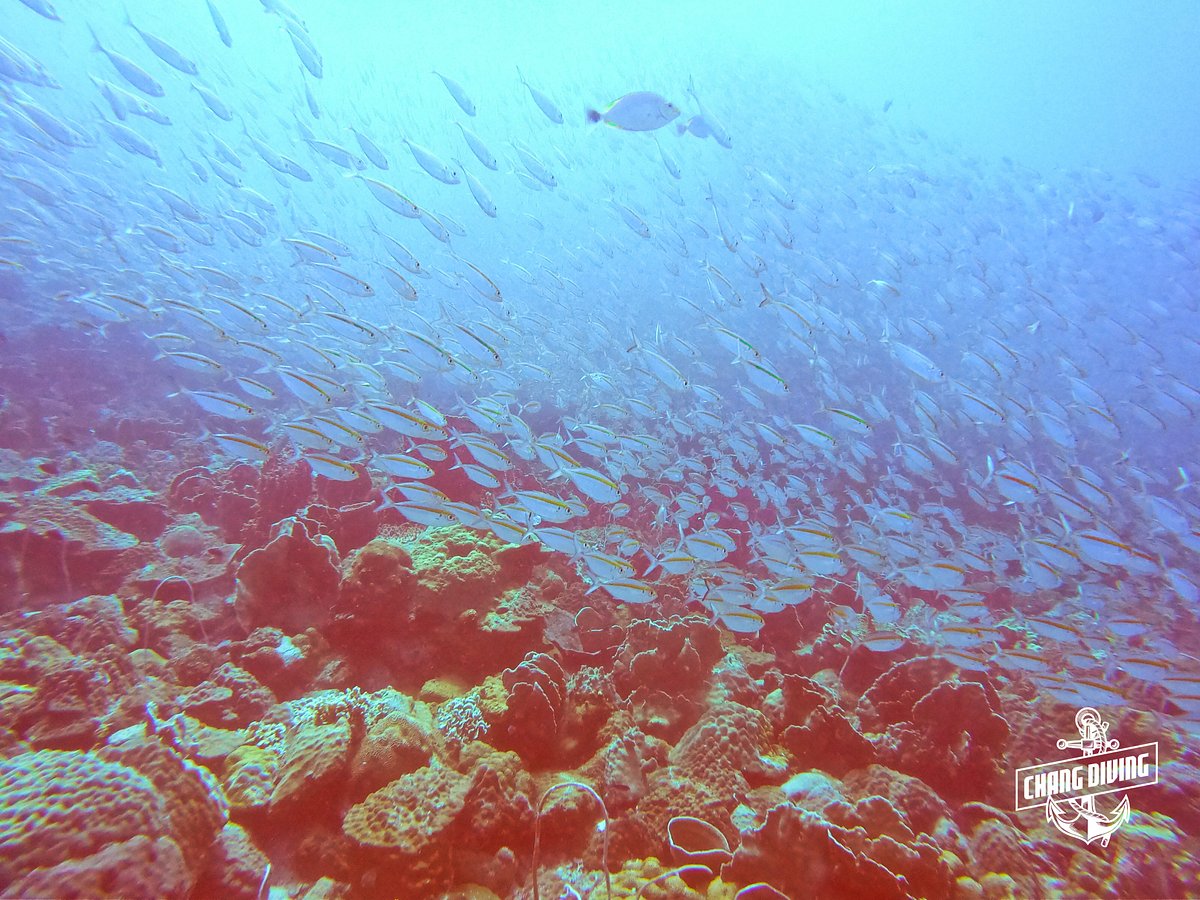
(195, 804)
(138, 867)
(315, 763)
(394, 745)
(250, 776)
(726, 744)
(412, 813)
(57, 806)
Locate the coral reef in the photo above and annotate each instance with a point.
(345, 712)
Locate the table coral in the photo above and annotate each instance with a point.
(52, 548)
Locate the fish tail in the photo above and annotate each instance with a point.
(96, 45)
(593, 115)
(388, 503)
(654, 564)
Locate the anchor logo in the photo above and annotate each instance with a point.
(1078, 816)
(1068, 789)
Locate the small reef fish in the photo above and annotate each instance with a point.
(637, 111)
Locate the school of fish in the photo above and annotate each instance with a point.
(937, 394)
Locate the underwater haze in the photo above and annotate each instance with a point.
(495, 450)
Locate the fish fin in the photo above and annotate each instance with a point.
(654, 563)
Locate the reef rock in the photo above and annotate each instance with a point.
(414, 603)
(291, 583)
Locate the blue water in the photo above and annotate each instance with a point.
(908, 315)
